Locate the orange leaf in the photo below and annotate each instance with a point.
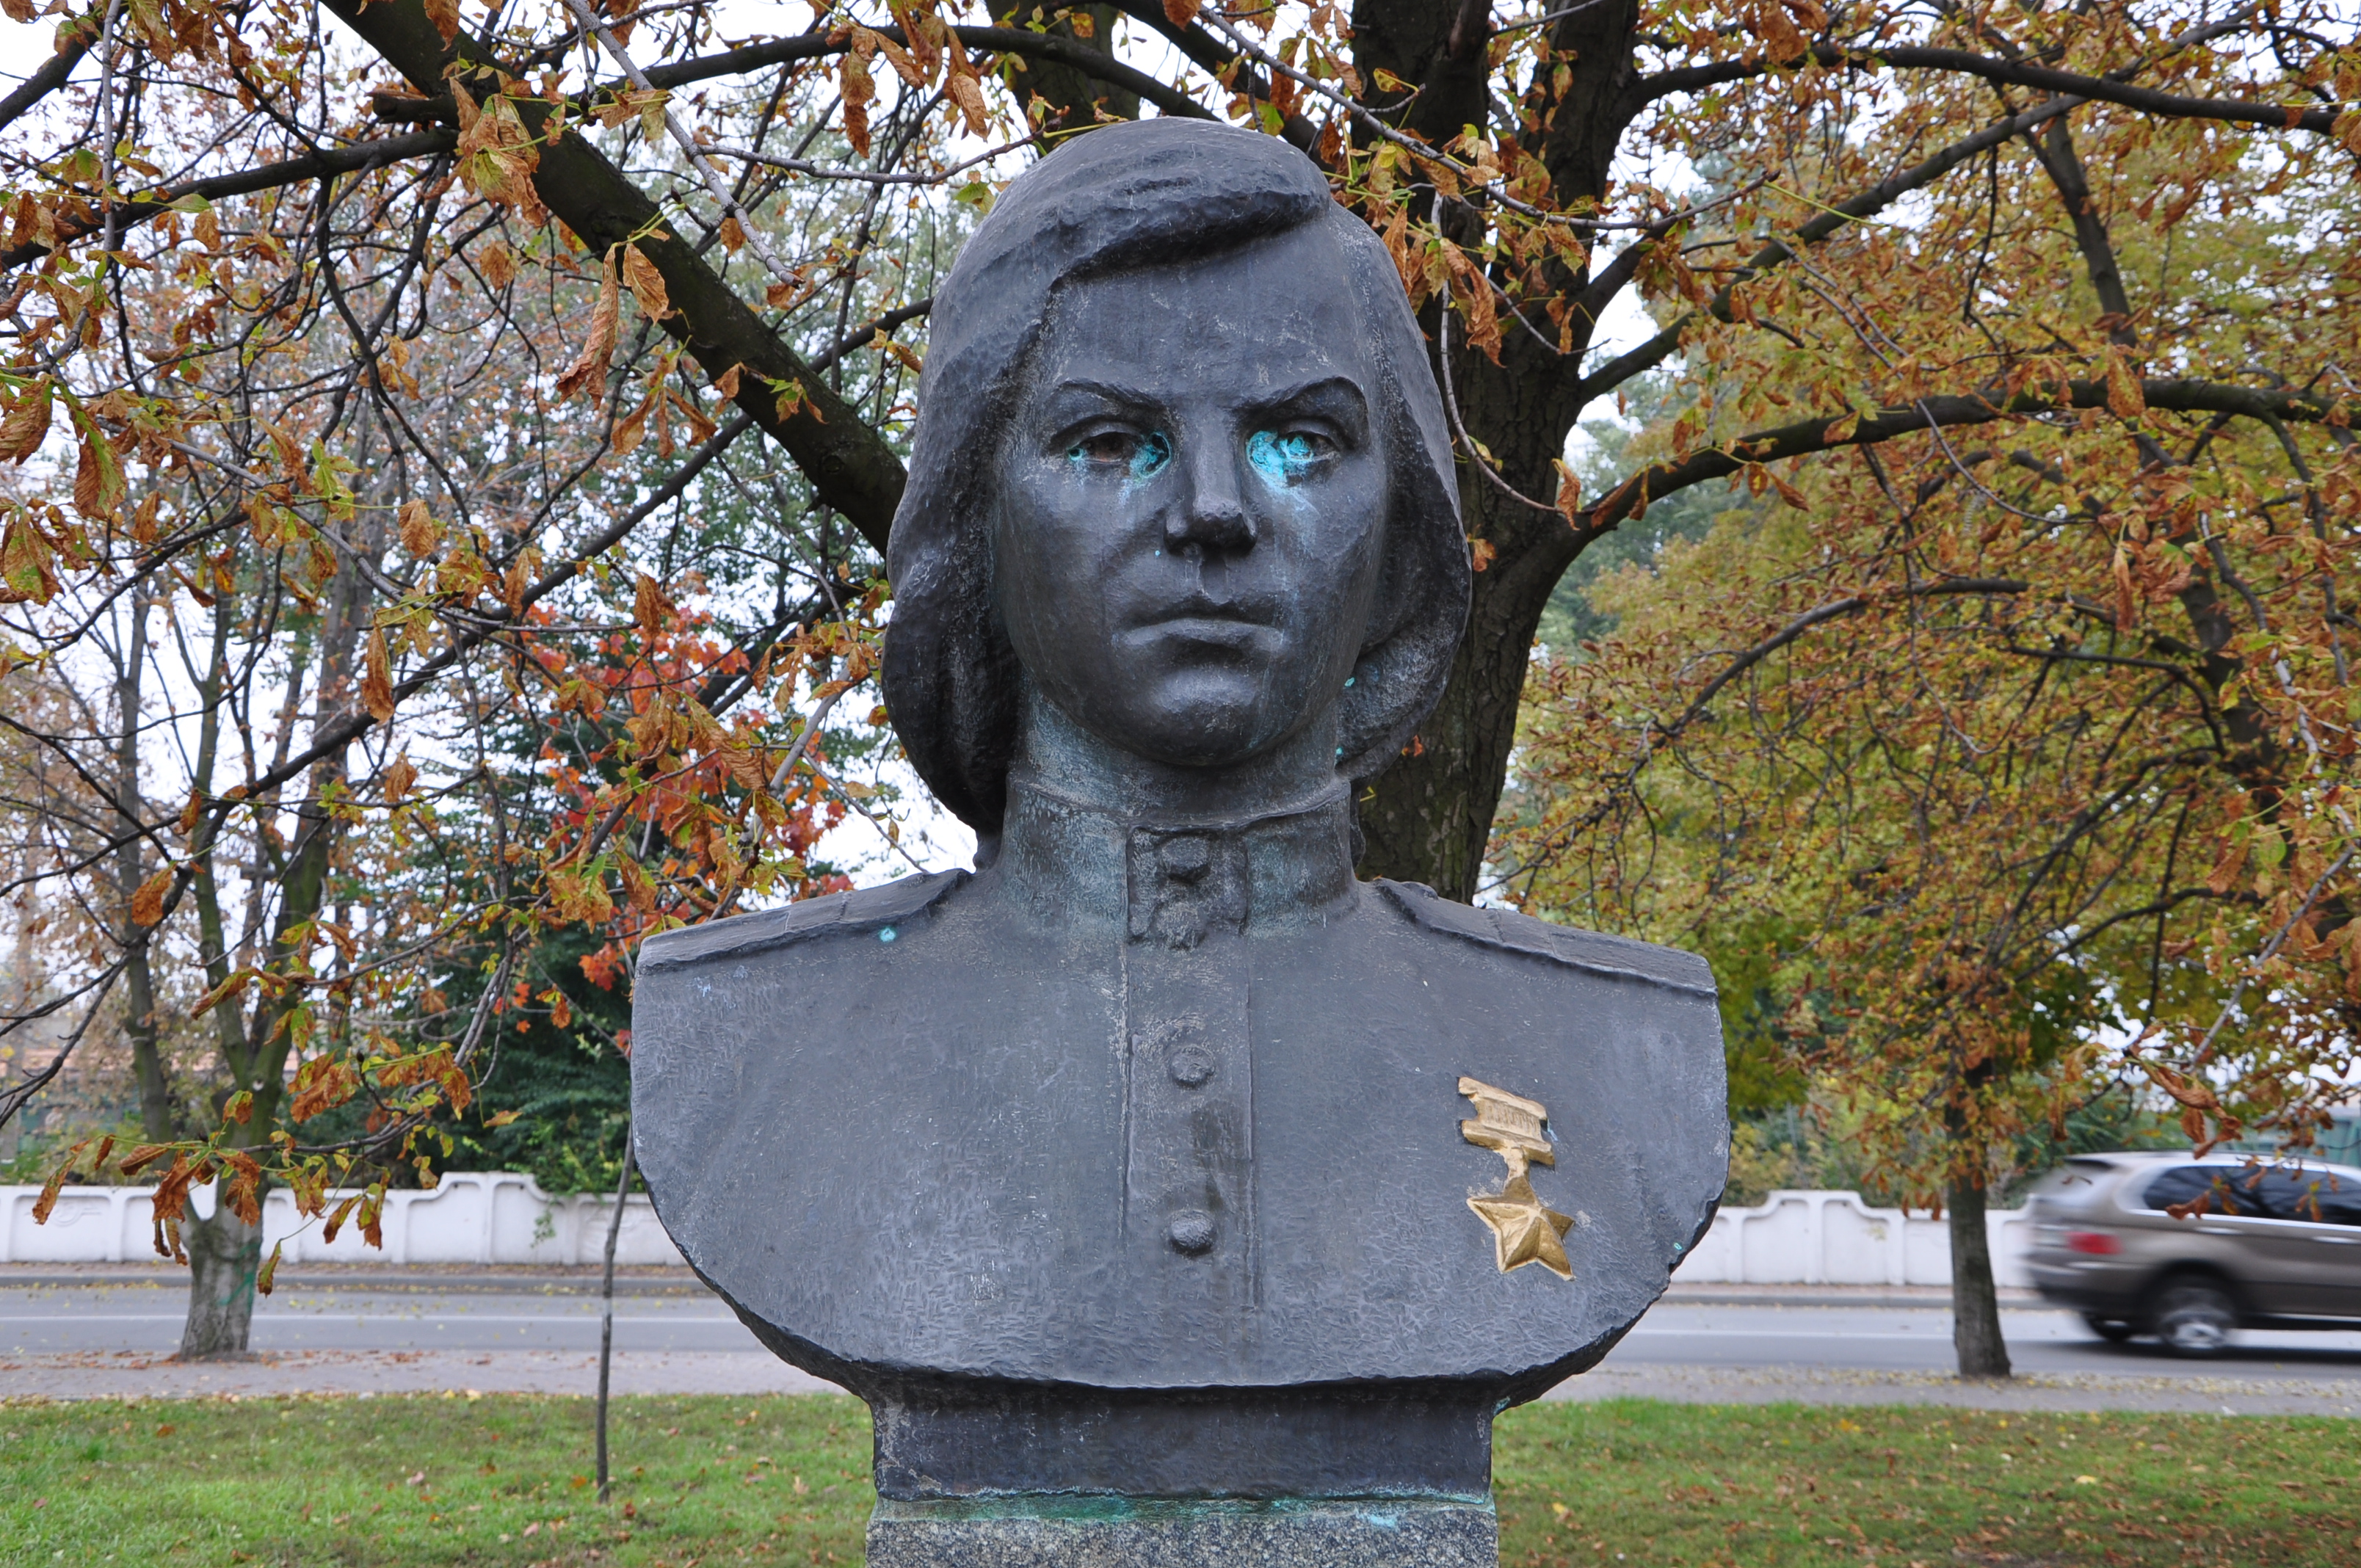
(48, 1198)
(148, 904)
(98, 475)
(856, 89)
(649, 605)
(1181, 12)
(227, 989)
(444, 15)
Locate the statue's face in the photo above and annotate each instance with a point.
(1193, 502)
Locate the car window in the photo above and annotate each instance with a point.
(2227, 1189)
(2306, 1195)
(2340, 1198)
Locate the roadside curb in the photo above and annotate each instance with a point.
(312, 1277)
(646, 1280)
(1936, 1297)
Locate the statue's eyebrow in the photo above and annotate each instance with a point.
(1318, 389)
(1131, 397)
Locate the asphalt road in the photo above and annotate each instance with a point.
(55, 1320)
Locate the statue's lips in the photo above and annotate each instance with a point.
(1232, 632)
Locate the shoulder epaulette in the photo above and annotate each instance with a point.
(837, 913)
(1617, 956)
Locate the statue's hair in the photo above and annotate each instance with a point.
(1148, 193)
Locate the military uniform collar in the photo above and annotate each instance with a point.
(1178, 881)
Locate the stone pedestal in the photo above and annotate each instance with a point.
(1043, 1531)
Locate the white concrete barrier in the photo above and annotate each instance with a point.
(496, 1217)
(504, 1218)
(1834, 1238)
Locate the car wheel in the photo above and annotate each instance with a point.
(2115, 1331)
(2195, 1317)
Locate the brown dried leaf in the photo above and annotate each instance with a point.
(98, 475)
(26, 424)
(856, 89)
(498, 263)
(420, 535)
(907, 68)
(967, 92)
(444, 15)
(376, 678)
(647, 283)
(2126, 400)
(589, 373)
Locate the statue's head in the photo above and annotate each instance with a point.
(1179, 462)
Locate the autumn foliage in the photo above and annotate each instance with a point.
(453, 453)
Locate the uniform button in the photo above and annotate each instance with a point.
(1184, 860)
(1190, 1066)
(1192, 1231)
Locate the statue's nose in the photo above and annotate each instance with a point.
(1211, 516)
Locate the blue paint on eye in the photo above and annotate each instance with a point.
(1283, 458)
(886, 934)
(1151, 454)
(1349, 679)
(1144, 455)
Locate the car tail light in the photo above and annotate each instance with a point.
(2098, 1244)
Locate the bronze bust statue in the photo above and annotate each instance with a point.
(1159, 1158)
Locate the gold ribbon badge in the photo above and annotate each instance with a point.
(1523, 1228)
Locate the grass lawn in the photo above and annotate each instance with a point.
(505, 1480)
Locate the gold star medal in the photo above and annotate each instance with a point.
(1524, 1230)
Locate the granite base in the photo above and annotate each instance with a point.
(1103, 1532)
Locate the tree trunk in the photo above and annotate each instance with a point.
(139, 1026)
(1430, 815)
(224, 1256)
(1975, 1305)
(1069, 100)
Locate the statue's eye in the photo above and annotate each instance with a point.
(1142, 453)
(1285, 457)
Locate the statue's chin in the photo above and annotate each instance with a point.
(1200, 729)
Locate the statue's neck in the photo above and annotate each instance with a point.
(1081, 767)
(1173, 854)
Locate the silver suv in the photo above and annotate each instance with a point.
(2190, 1250)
